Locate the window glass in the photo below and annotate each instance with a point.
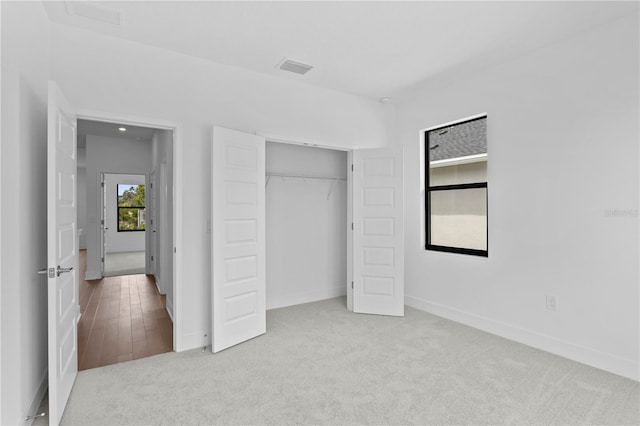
(131, 207)
(459, 218)
(456, 185)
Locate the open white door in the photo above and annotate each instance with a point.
(162, 209)
(378, 234)
(238, 237)
(152, 227)
(62, 252)
(103, 223)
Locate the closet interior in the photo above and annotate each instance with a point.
(306, 218)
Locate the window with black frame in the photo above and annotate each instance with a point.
(456, 187)
(131, 208)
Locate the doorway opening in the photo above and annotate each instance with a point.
(306, 224)
(124, 215)
(126, 234)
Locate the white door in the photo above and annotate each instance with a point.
(153, 227)
(103, 224)
(62, 252)
(163, 230)
(238, 237)
(378, 235)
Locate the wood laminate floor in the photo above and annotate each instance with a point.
(123, 318)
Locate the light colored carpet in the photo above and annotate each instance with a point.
(319, 364)
(124, 263)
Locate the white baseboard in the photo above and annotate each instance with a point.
(604, 361)
(193, 340)
(158, 285)
(305, 297)
(92, 275)
(169, 309)
(37, 398)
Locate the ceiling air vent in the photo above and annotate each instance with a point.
(294, 66)
(90, 10)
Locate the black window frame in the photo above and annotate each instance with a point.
(429, 189)
(128, 207)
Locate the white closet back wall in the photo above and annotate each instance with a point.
(306, 224)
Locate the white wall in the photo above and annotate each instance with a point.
(563, 147)
(306, 231)
(109, 155)
(100, 73)
(118, 242)
(23, 313)
(162, 148)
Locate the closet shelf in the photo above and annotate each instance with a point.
(332, 180)
(286, 175)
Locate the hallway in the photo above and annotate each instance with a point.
(123, 318)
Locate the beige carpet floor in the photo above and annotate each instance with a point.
(319, 364)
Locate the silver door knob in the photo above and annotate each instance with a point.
(63, 270)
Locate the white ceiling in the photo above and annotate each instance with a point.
(372, 49)
(110, 130)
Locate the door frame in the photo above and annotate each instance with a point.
(178, 341)
(104, 210)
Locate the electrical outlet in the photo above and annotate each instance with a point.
(551, 303)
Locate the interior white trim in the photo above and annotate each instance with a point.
(169, 309)
(178, 337)
(158, 286)
(199, 339)
(475, 158)
(37, 398)
(624, 367)
(349, 231)
(300, 141)
(451, 123)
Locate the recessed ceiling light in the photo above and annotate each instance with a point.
(294, 66)
(122, 129)
(385, 99)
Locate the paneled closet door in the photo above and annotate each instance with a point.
(378, 234)
(238, 237)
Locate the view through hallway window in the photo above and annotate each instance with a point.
(131, 208)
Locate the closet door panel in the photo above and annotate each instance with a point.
(378, 234)
(238, 238)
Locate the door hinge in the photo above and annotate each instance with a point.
(352, 167)
(352, 226)
(352, 284)
(102, 184)
(102, 259)
(152, 258)
(101, 221)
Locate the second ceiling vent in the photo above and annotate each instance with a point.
(294, 66)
